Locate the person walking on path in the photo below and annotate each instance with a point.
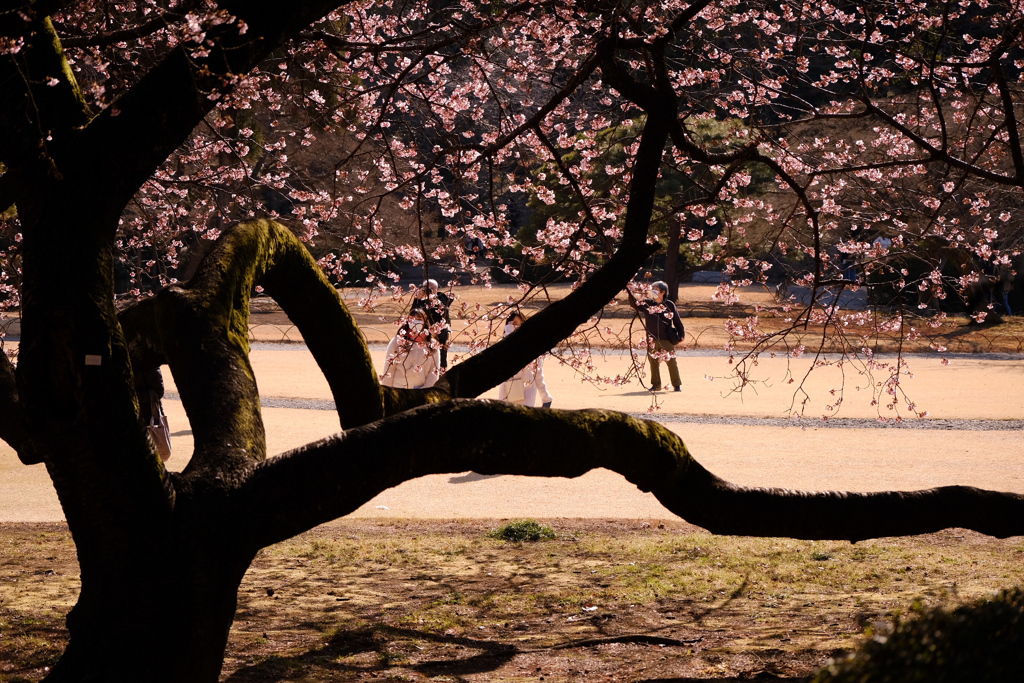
(149, 387)
(436, 306)
(528, 383)
(412, 360)
(664, 331)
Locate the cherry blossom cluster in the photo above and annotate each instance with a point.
(828, 147)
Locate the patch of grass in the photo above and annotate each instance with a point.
(437, 618)
(522, 530)
(330, 551)
(453, 597)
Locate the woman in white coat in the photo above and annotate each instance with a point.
(528, 383)
(413, 358)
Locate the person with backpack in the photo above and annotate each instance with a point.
(664, 330)
(435, 305)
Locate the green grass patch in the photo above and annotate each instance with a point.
(523, 530)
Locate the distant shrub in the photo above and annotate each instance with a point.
(520, 530)
(979, 643)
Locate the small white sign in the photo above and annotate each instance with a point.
(93, 359)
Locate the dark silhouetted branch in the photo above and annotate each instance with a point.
(322, 481)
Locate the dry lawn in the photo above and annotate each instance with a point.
(605, 600)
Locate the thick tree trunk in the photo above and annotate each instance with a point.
(177, 632)
(76, 386)
(157, 595)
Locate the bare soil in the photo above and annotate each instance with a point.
(606, 600)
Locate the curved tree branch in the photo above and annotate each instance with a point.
(558, 320)
(140, 129)
(322, 481)
(1013, 134)
(201, 330)
(31, 110)
(935, 154)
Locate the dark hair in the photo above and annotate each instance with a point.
(513, 315)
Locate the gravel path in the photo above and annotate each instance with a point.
(676, 418)
(458, 349)
(842, 422)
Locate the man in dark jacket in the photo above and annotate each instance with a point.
(436, 306)
(664, 331)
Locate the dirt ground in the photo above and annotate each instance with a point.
(615, 600)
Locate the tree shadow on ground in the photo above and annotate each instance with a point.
(30, 644)
(376, 649)
(471, 477)
(374, 640)
(731, 679)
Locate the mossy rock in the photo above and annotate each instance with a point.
(977, 643)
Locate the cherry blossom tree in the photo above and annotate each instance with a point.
(158, 139)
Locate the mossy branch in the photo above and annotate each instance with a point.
(196, 334)
(296, 282)
(201, 330)
(320, 482)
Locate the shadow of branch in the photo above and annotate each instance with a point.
(345, 644)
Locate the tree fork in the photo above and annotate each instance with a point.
(266, 253)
